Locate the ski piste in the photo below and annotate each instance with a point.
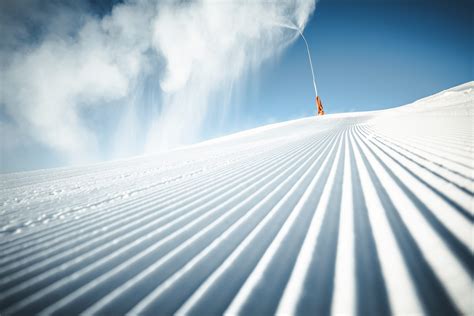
(368, 213)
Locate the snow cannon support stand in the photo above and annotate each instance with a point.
(319, 105)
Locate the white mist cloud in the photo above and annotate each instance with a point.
(207, 46)
(78, 63)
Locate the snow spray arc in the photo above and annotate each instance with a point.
(319, 104)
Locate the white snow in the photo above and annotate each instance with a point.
(368, 213)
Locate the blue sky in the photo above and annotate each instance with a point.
(368, 55)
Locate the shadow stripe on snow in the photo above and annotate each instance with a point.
(226, 281)
(170, 295)
(61, 282)
(133, 201)
(437, 151)
(451, 201)
(459, 249)
(128, 202)
(135, 285)
(54, 273)
(16, 265)
(429, 288)
(318, 288)
(273, 275)
(386, 142)
(113, 218)
(372, 298)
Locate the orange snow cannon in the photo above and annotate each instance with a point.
(319, 105)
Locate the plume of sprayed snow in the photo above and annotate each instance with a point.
(61, 81)
(49, 83)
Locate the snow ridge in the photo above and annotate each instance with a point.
(368, 213)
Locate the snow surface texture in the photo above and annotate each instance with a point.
(368, 213)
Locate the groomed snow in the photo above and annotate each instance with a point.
(368, 213)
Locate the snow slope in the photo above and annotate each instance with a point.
(365, 213)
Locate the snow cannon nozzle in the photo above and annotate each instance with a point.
(319, 106)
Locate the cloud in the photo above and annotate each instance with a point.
(78, 82)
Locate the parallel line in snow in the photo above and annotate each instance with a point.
(418, 240)
(105, 198)
(37, 295)
(335, 215)
(299, 218)
(93, 223)
(436, 151)
(260, 171)
(387, 274)
(439, 216)
(425, 159)
(156, 295)
(454, 199)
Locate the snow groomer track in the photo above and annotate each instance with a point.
(363, 213)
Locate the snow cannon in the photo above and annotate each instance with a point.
(319, 105)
